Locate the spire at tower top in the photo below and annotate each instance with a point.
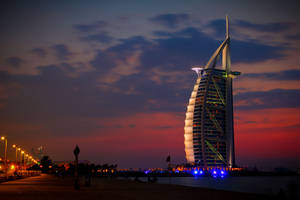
(227, 27)
(224, 47)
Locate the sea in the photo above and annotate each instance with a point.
(250, 184)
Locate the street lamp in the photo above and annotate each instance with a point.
(5, 154)
(30, 158)
(19, 149)
(22, 158)
(15, 146)
(26, 162)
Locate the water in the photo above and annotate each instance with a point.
(250, 184)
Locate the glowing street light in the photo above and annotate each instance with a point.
(19, 149)
(5, 154)
(30, 158)
(22, 155)
(15, 146)
(26, 161)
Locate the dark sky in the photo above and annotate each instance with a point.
(114, 77)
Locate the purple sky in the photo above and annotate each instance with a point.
(114, 77)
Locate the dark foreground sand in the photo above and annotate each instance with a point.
(51, 187)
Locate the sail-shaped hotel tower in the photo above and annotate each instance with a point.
(208, 131)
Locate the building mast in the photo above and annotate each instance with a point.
(226, 63)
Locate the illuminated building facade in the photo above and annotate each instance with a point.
(208, 131)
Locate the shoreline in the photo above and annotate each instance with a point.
(255, 184)
(52, 187)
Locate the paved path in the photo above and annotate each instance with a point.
(50, 187)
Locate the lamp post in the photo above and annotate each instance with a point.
(19, 149)
(26, 162)
(76, 153)
(22, 158)
(15, 146)
(30, 158)
(5, 154)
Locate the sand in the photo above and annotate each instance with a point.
(52, 187)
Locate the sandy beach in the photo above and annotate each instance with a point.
(52, 187)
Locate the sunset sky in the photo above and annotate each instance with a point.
(115, 77)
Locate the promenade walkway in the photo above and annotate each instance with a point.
(46, 187)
